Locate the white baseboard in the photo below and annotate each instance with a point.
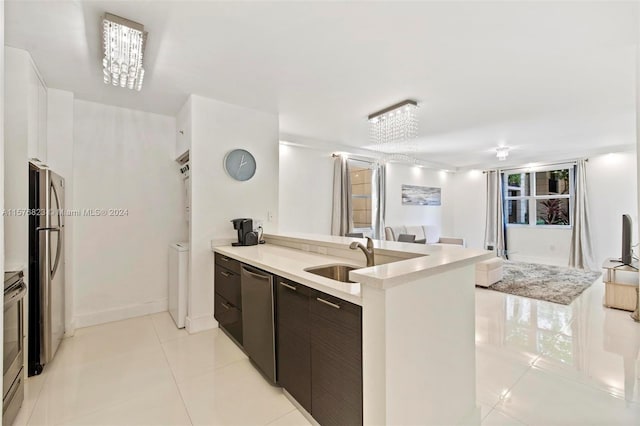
(117, 314)
(201, 323)
(70, 329)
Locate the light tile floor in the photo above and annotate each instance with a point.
(144, 371)
(541, 363)
(538, 363)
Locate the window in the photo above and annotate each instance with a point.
(361, 190)
(542, 197)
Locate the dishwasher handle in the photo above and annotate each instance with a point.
(256, 274)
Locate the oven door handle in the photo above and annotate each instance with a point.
(15, 295)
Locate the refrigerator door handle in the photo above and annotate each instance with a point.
(57, 260)
(58, 206)
(58, 249)
(56, 229)
(60, 225)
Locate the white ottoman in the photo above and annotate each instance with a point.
(488, 272)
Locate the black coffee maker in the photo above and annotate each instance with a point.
(246, 235)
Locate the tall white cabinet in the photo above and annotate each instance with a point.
(37, 113)
(25, 132)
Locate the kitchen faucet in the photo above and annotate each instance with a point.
(368, 250)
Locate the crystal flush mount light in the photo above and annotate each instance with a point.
(123, 43)
(395, 124)
(502, 152)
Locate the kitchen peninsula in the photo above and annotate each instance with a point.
(415, 370)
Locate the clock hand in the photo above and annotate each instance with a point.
(242, 163)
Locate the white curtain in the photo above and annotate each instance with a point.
(341, 217)
(581, 255)
(378, 201)
(495, 232)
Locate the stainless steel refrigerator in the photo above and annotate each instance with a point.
(46, 266)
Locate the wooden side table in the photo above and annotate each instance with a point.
(621, 284)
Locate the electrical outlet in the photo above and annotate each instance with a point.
(269, 216)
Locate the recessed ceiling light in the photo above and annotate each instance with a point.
(123, 43)
(502, 152)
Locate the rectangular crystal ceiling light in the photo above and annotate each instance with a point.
(397, 124)
(123, 47)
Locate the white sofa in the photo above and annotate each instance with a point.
(426, 233)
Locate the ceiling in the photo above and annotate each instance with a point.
(552, 80)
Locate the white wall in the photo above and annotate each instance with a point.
(217, 128)
(183, 129)
(123, 159)
(306, 189)
(611, 190)
(60, 160)
(469, 206)
(399, 214)
(539, 245)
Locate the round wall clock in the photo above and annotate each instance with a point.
(240, 164)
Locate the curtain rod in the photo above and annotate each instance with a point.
(356, 157)
(538, 165)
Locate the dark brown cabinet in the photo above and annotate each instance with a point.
(320, 353)
(336, 361)
(294, 343)
(228, 299)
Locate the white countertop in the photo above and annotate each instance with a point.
(415, 261)
(421, 260)
(291, 263)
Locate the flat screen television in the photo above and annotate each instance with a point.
(627, 256)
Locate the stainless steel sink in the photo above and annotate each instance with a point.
(333, 272)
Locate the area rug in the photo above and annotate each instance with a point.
(544, 282)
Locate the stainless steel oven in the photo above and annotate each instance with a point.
(13, 346)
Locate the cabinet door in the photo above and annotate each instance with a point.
(227, 262)
(294, 347)
(229, 317)
(33, 112)
(42, 121)
(227, 285)
(336, 361)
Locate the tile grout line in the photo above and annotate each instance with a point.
(175, 381)
(211, 370)
(35, 402)
(44, 383)
(510, 388)
(571, 379)
(116, 402)
(504, 414)
(279, 417)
